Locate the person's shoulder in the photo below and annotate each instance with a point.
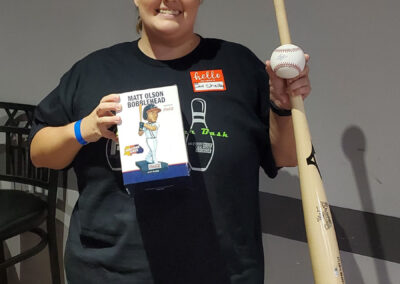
(119, 49)
(227, 45)
(103, 57)
(231, 48)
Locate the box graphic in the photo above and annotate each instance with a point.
(151, 135)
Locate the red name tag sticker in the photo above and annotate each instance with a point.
(208, 80)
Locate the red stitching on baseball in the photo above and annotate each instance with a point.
(287, 64)
(288, 49)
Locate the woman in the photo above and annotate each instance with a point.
(208, 232)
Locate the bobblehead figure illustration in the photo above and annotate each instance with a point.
(150, 130)
(152, 153)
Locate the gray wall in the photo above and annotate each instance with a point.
(351, 112)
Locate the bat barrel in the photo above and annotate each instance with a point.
(321, 236)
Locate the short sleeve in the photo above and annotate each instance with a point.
(267, 160)
(57, 108)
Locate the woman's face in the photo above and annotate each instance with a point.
(168, 17)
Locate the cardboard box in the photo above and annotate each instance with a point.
(151, 136)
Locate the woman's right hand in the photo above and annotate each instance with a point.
(97, 123)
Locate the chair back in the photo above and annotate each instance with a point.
(15, 163)
(18, 115)
(16, 167)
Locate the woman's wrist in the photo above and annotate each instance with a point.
(78, 133)
(279, 111)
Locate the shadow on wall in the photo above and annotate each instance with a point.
(285, 183)
(290, 224)
(354, 146)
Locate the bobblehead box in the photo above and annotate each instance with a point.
(151, 136)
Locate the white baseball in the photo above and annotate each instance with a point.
(288, 61)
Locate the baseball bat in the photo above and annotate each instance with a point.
(140, 119)
(321, 236)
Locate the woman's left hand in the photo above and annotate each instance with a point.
(282, 89)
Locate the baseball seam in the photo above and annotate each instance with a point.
(287, 64)
(289, 49)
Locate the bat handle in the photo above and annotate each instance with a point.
(283, 26)
(301, 130)
(140, 112)
(298, 112)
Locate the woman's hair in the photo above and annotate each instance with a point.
(139, 24)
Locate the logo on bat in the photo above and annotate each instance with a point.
(311, 160)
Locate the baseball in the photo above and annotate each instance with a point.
(287, 61)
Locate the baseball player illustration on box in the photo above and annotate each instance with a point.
(150, 130)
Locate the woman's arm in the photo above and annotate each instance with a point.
(282, 140)
(281, 127)
(56, 147)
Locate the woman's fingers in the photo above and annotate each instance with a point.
(110, 98)
(105, 108)
(110, 135)
(300, 85)
(107, 121)
(96, 124)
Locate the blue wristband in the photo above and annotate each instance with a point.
(78, 134)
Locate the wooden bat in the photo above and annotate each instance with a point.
(140, 120)
(321, 236)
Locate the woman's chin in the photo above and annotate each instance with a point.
(169, 29)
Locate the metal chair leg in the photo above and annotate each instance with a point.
(3, 272)
(53, 251)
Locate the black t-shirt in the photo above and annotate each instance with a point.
(206, 232)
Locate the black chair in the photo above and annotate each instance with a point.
(25, 209)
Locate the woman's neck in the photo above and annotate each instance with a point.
(167, 48)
